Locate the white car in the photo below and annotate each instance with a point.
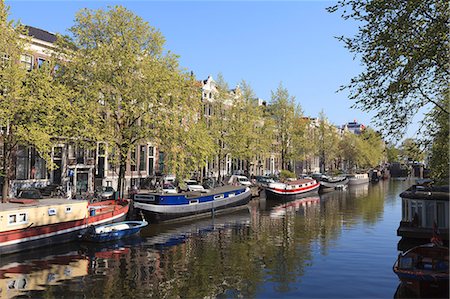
(239, 180)
(192, 185)
(169, 188)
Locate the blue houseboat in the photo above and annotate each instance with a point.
(160, 207)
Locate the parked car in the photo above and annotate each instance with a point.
(29, 194)
(239, 180)
(169, 188)
(193, 185)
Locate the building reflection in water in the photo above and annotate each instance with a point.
(38, 274)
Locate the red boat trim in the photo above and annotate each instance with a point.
(292, 191)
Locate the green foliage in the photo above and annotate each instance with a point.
(287, 174)
(411, 150)
(284, 111)
(33, 106)
(404, 48)
(327, 141)
(439, 152)
(133, 88)
(392, 153)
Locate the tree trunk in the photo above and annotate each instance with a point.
(121, 182)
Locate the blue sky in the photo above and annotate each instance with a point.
(263, 43)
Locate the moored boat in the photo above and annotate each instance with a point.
(292, 188)
(332, 183)
(26, 224)
(358, 178)
(424, 268)
(182, 206)
(425, 209)
(112, 231)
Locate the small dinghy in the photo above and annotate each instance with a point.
(113, 231)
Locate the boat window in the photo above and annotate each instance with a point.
(51, 212)
(219, 196)
(12, 219)
(231, 194)
(20, 218)
(68, 210)
(429, 212)
(194, 201)
(406, 263)
(145, 197)
(441, 219)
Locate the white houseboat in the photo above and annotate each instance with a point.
(424, 210)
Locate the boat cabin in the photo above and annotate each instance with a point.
(423, 208)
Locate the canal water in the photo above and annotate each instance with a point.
(341, 244)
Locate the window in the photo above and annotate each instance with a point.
(220, 196)
(68, 210)
(51, 211)
(142, 159)
(4, 59)
(12, 219)
(22, 217)
(133, 160)
(41, 62)
(19, 218)
(26, 61)
(151, 160)
(22, 163)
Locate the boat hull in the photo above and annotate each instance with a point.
(61, 232)
(277, 193)
(92, 236)
(333, 184)
(162, 213)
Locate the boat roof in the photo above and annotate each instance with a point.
(217, 190)
(299, 182)
(17, 204)
(426, 192)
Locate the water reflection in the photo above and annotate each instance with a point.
(36, 271)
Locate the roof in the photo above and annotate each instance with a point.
(41, 34)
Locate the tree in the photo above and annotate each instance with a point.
(284, 112)
(392, 153)
(249, 130)
(327, 141)
(372, 148)
(439, 149)
(404, 48)
(122, 72)
(33, 106)
(411, 150)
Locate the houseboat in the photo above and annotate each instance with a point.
(328, 183)
(28, 223)
(358, 178)
(425, 209)
(291, 189)
(161, 207)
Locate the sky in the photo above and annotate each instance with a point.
(264, 43)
